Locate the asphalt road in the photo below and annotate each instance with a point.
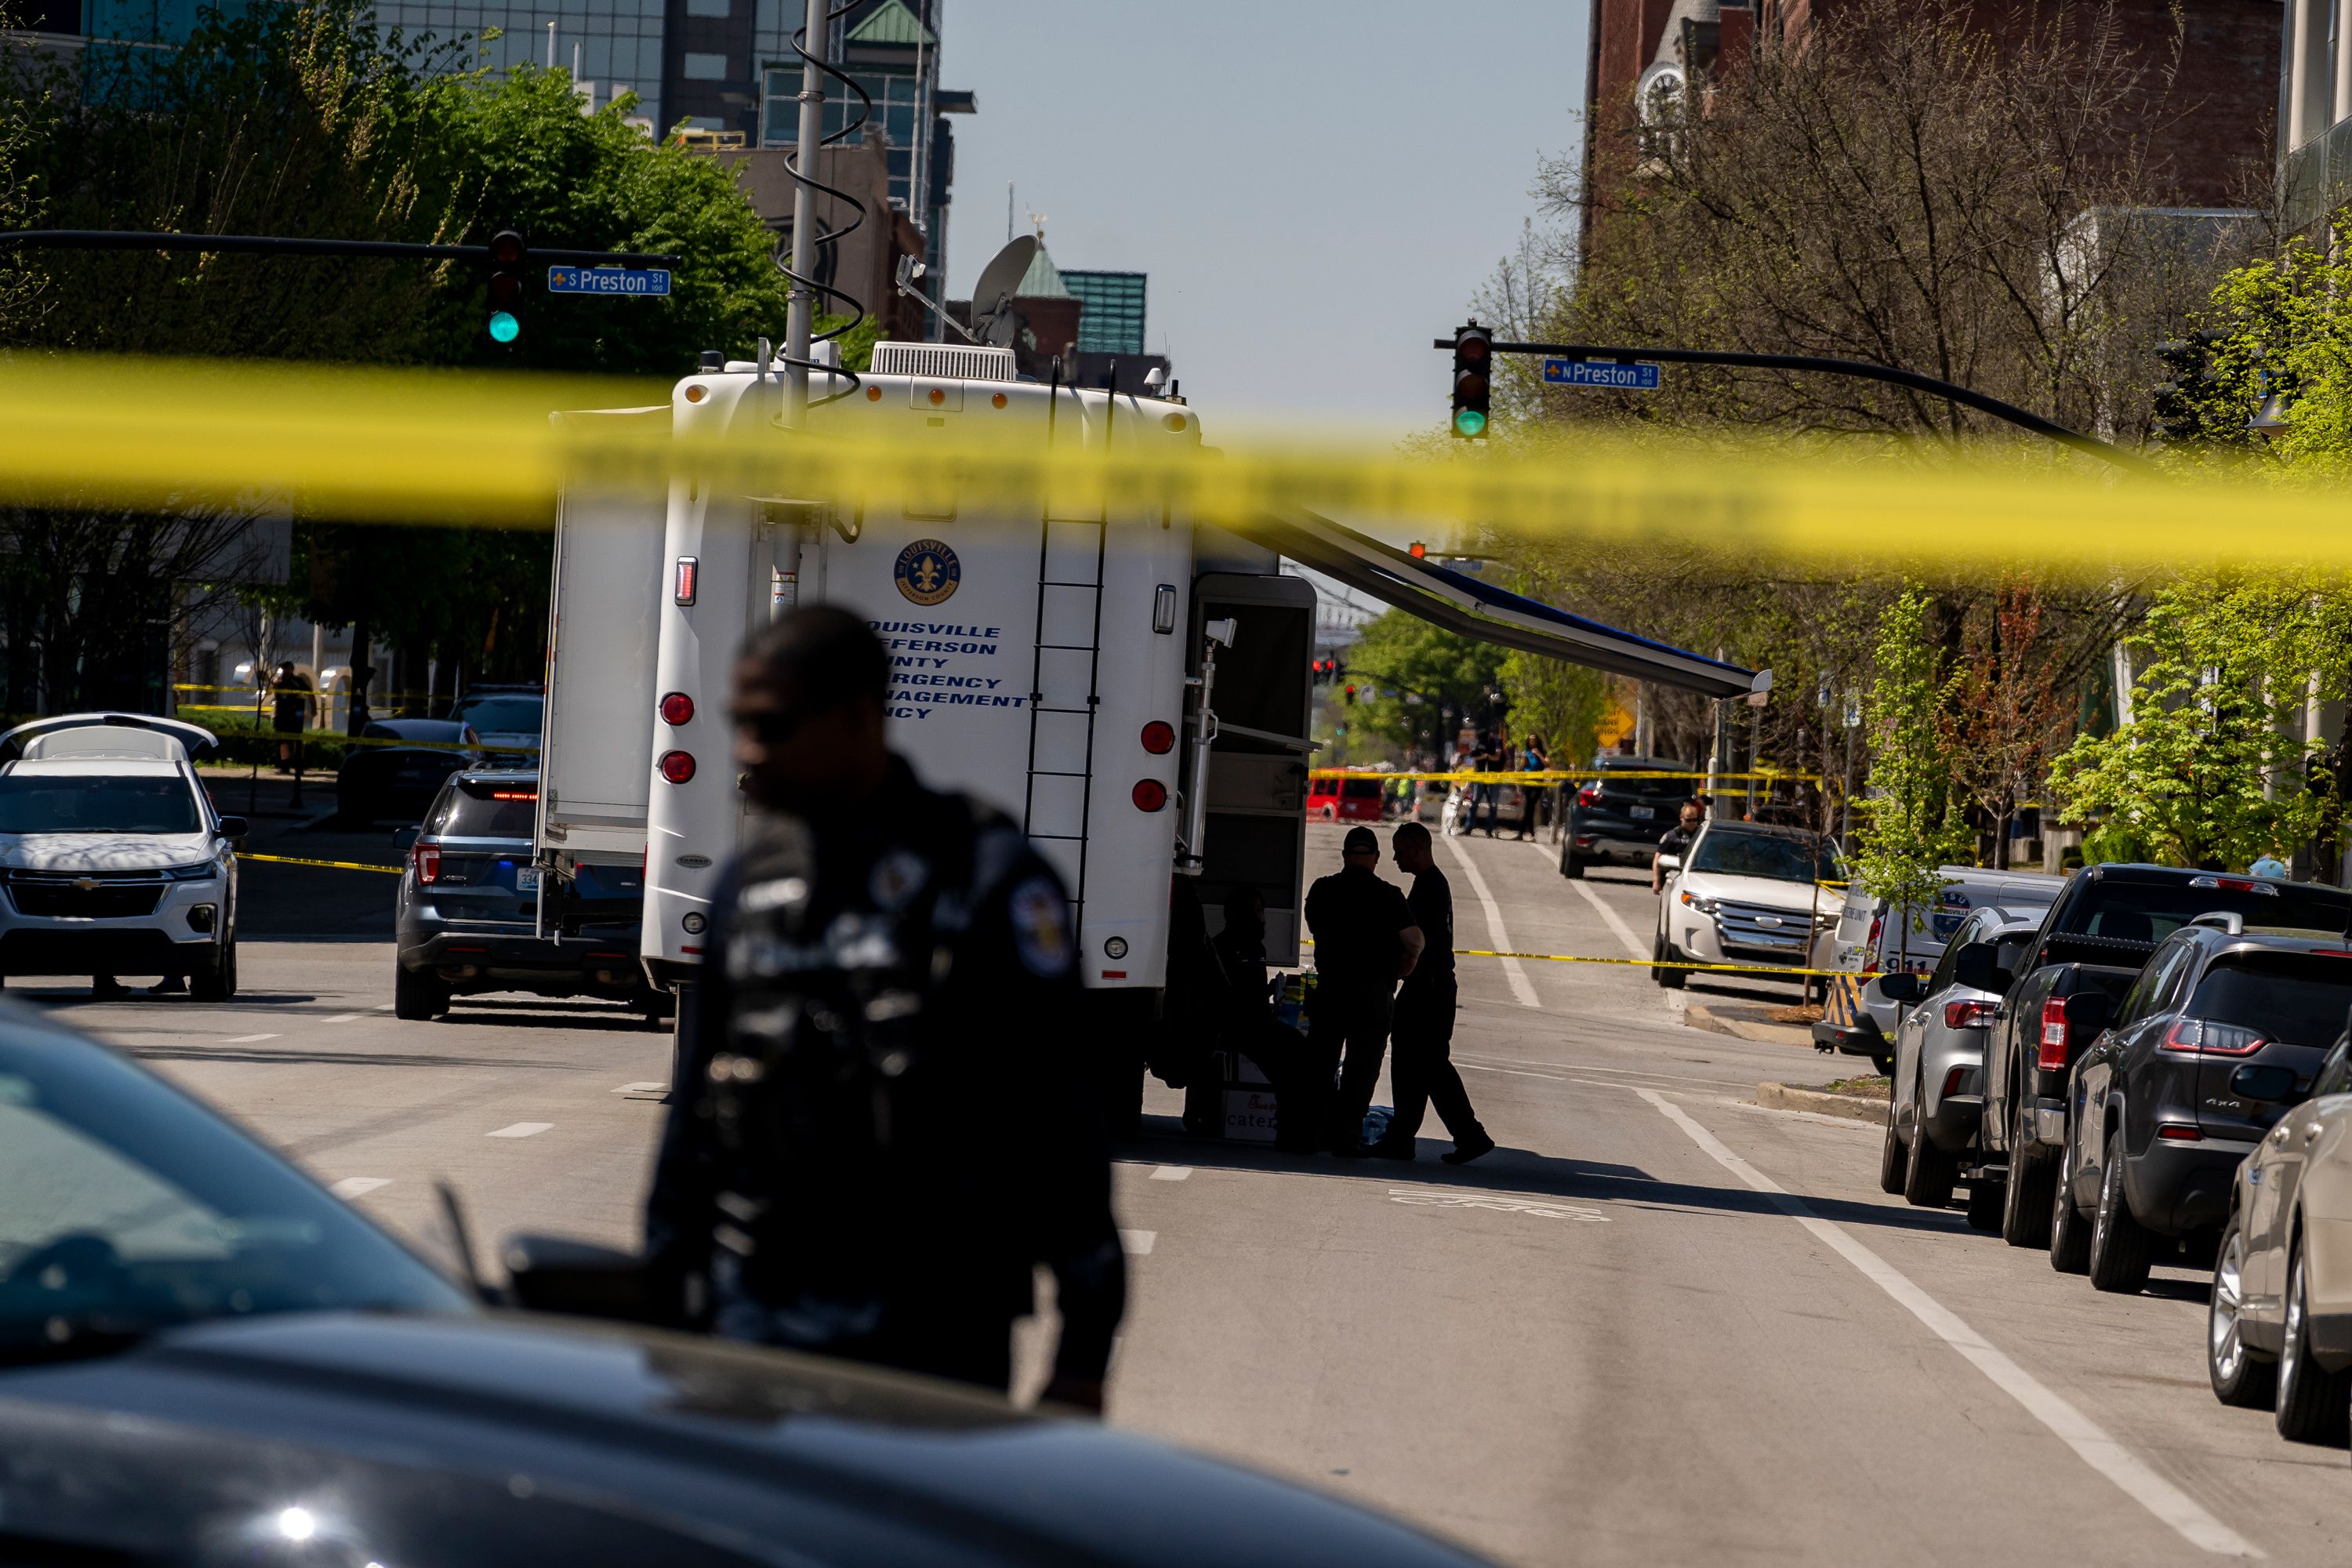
(1659, 1325)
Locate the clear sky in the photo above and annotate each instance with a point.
(1317, 187)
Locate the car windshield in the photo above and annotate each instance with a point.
(2297, 998)
(131, 1209)
(2151, 912)
(500, 715)
(480, 809)
(1767, 854)
(92, 803)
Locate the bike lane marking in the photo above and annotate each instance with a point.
(1523, 990)
(2131, 1475)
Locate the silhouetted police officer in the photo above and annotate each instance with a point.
(1364, 941)
(883, 1125)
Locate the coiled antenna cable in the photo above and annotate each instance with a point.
(857, 217)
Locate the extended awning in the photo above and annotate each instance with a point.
(1465, 606)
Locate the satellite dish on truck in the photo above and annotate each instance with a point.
(999, 281)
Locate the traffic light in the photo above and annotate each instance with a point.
(1352, 696)
(1418, 551)
(506, 254)
(1474, 357)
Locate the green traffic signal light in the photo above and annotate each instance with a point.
(504, 328)
(1469, 423)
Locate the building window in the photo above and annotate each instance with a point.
(896, 101)
(708, 7)
(1112, 321)
(704, 68)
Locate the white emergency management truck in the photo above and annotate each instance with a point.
(1130, 685)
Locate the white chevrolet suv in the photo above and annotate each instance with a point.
(112, 859)
(1749, 894)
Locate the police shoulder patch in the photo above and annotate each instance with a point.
(1041, 928)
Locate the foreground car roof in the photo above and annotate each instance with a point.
(512, 1439)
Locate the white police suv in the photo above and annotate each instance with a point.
(112, 859)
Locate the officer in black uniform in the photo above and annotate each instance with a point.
(1420, 1036)
(1364, 941)
(882, 1120)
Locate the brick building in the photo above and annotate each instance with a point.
(2209, 134)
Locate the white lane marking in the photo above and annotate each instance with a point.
(246, 1039)
(352, 1186)
(1514, 1072)
(1428, 1199)
(1595, 1066)
(520, 1130)
(343, 1018)
(1138, 1242)
(639, 1088)
(2130, 1474)
(1171, 1172)
(1522, 989)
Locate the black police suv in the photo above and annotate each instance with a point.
(205, 1359)
(1617, 821)
(468, 918)
(2225, 1027)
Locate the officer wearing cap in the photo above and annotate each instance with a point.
(891, 986)
(1365, 941)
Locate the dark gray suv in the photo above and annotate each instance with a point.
(469, 916)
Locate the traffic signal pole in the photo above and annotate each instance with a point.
(2024, 419)
(800, 307)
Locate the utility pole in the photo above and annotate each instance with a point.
(800, 309)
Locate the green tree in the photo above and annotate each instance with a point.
(1435, 678)
(1911, 823)
(1565, 703)
(2207, 769)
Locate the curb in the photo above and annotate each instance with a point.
(1852, 1107)
(1699, 1016)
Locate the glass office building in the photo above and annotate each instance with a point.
(612, 46)
(1113, 320)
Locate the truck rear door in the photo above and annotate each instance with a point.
(596, 757)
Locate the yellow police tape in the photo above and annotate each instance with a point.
(1550, 775)
(330, 865)
(434, 446)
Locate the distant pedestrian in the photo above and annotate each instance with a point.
(1487, 758)
(1365, 942)
(1421, 1034)
(1532, 759)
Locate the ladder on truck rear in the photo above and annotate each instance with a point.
(1066, 670)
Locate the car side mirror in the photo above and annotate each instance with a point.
(1904, 988)
(1977, 966)
(577, 1279)
(1670, 862)
(405, 839)
(233, 829)
(2088, 1012)
(2263, 1083)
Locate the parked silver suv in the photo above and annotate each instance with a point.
(1936, 1092)
(111, 857)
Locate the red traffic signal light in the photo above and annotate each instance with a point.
(1419, 549)
(1351, 695)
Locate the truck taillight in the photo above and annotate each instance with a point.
(1967, 1014)
(676, 708)
(677, 766)
(1159, 737)
(427, 858)
(1151, 795)
(1878, 924)
(2050, 1054)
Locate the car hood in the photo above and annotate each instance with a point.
(101, 852)
(509, 1440)
(1773, 894)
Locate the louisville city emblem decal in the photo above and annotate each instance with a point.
(928, 571)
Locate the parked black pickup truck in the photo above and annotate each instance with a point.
(2091, 949)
